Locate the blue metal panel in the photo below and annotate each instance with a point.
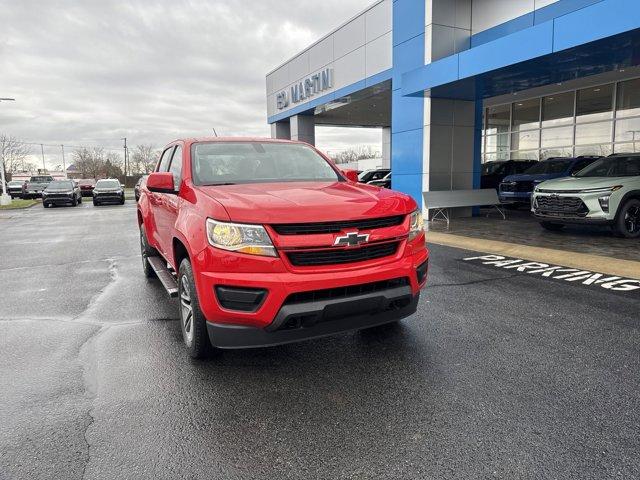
(407, 152)
(502, 30)
(601, 20)
(436, 73)
(407, 113)
(407, 56)
(408, 20)
(541, 15)
(411, 184)
(562, 7)
(518, 47)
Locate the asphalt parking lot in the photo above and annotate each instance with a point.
(501, 374)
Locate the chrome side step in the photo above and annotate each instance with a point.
(164, 275)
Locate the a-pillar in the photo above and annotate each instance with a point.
(281, 130)
(303, 128)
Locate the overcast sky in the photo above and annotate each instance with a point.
(90, 72)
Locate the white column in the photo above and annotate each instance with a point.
(386, 147)
(303, 128)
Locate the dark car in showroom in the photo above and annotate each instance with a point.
(493, 173)
(86, 186)
(61, 192)
(517, 189)
(108, 190)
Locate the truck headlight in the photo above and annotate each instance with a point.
(416, 224)
(243, 238)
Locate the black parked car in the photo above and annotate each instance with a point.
(376, 174)
(108, 191)
(384, 182)
(136, 189)
(61, 192)
(493, 173)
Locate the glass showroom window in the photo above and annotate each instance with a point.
(557, 110)
(627, 129)
(594, 103)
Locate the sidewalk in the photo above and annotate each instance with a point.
(520, 235)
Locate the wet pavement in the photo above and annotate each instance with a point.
(522, 228)
(500, 374)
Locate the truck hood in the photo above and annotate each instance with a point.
(575, 183)
(304, 202)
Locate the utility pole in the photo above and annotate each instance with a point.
(126, 158)
(64, 165)
(44, 167)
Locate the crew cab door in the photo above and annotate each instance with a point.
(166, 212)
(154, 228)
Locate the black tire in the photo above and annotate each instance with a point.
(80, 199)
(552, 227)
(192, 321)
(74, 202)
(146, 251)
(45, 205)
(95, 204)
(627, 222)
(122, 202)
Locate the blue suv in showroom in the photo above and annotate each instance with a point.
(517, 189)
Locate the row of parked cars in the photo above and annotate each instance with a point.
(579, 190)
(67, 192)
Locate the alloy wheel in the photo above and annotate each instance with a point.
(186, 309)
(632, 219)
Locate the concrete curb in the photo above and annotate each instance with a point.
(583, 261)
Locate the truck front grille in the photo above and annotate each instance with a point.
(336, 227)
(346, 292)
(343, 255)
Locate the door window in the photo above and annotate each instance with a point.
(176, 168)
(163, 166)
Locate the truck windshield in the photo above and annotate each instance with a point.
(612, 167)
(549, 166)
(220, 163)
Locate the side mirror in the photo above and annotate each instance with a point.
(160, 182)
(351, 175)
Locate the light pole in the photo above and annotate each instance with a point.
(5, 199)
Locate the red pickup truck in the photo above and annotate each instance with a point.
(267, 242)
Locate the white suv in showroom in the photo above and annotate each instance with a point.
(607, 192)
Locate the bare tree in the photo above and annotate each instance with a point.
(144, 159)
(96, 163)
(356, 153)
(14, 154)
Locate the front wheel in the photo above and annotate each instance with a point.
(627, 223)
(80, 199)
(553, 227)
(192, 321)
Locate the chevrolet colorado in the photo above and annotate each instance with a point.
(267, 242)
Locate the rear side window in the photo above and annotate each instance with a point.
(163, 166)
(176, 167)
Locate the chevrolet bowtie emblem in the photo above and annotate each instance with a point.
(351, 239)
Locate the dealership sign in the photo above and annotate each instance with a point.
(305, 89)
(585, 277)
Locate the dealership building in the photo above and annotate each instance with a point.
(456, 83)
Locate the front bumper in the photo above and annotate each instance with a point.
(108, 198)
(591, 214)
(57, 200)
(314, 315)
(307, 320)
